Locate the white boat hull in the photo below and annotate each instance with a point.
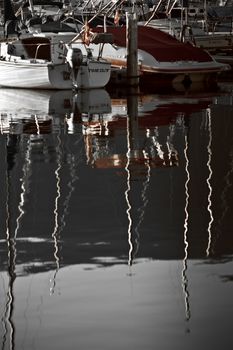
(28, 75)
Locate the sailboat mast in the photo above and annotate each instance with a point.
(31, 6)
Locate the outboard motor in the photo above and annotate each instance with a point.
(74, 58)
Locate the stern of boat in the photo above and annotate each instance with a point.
(94, 74)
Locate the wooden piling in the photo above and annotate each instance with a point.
(132, 49)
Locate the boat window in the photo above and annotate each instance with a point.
(37, 48)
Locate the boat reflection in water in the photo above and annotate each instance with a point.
(115, 220)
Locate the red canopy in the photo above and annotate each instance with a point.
(162, 46)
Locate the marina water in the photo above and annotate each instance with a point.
(116, 220)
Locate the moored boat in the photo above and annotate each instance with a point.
(35, 59)
(161, 57)
(43, 61)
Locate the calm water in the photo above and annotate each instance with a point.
(116, 220)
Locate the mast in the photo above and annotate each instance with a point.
(31, 6)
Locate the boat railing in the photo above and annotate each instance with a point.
(37, 49)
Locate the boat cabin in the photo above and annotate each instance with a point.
(36, 48)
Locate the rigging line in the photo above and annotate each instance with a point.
(208, 183)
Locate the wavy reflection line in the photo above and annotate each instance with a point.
(170, 146)
(9, 307)
(157, 145)
(37, 125)
(71, 187)
(1, 124)
(4, 293)
(8, 315)
(209, 183)
(4, 322)
(56, 216)
(89, 148)
(23, 180)
(171, 151)
(141, 210)
(128, 211)
(185, 265)
(73, 163)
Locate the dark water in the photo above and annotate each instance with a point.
(116, 220)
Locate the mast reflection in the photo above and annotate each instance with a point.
(133, 135)
(9, 327)
(131, 155)
(186, 245)
(137, 168)
(24, 186)
(209, 207)
(55, 232)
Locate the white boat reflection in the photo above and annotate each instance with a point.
(31, 111)
(88, 104)
(93, 102)
(40, 111)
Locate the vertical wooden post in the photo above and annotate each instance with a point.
(132, 49)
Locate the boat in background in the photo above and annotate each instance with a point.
(161, 57)
(208, 27)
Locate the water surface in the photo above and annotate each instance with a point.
(116, 220)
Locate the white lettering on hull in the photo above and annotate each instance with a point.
(98, 70)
